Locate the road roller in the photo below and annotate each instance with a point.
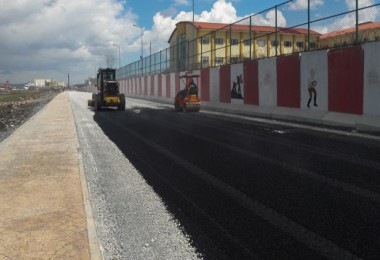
(187, 99)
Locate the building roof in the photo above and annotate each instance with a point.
(5, 86)
(244, 28)
(362, 27)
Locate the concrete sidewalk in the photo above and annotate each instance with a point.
(44, 206)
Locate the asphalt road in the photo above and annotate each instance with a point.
(169, 185)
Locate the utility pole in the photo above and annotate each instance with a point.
(68, 81)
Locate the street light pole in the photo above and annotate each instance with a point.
(119, 52)
(193, 11)
(142, 43)
(142, 46)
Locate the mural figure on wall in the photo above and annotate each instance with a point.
(236, 88)
(312, 83)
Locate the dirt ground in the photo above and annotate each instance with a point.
(16, 108)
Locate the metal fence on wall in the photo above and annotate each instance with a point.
(283, 19)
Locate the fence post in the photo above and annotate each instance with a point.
(230, 43)
(201, 61)
(187, 55)
(250, 37)
(166, 58)
(357, 21)
(213, 62)
(275, 35)
(308, 25)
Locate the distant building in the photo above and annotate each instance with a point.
(369, 31)
(28, 85)
(48, 83)
(5, 87)
(55, 84)
(41, 82)
(217, 43)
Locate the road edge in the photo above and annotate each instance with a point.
(93, 240)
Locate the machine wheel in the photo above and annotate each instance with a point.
(122, 102)
(176, 107)
(184, 108)
(97, 103)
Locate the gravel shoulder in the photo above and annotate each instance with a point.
(132, 221)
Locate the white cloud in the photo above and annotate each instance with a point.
(222, 11)
(50, 38)
(182, 2)
(270, 19)
(349, 20)
(365, 15)
(303, 4)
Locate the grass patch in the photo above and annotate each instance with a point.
(18, 96)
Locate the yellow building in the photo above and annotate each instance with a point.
(218, 44)
(369, 31)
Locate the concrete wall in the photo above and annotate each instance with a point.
(251, 83)
(314, 68)
(288, 81)
(371, 75)
(346, 81)
(224, 84)
(268, 82)
(172, 84)
(205, 83)
(214, 84)
(345, 68)
(237, 84)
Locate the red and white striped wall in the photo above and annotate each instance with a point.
(347, 80)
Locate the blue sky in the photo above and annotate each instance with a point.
(146, 12)
(243, 7)
(51, 38)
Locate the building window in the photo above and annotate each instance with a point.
(287, 44)
(234, 60)
(234, 41)
(247, 42)
(299, 45)
(274, 43)
(205, 40)
(313, 45)
(205, 60)
(261, 43)
(219, 60)
(219, 41)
